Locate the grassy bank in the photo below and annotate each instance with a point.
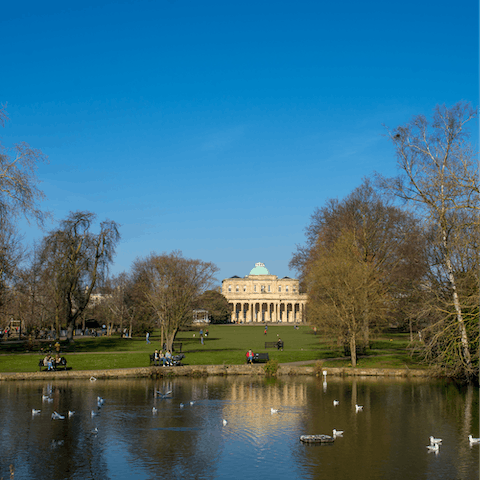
(225, 344)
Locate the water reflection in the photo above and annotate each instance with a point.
(386, 440)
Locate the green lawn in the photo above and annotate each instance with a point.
(225, 344)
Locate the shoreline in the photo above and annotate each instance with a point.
(214, 370)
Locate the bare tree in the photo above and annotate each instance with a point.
(347, 293)
(170, 284)
(387, 238)
(439, 176)
(19, 192)
(74, 258)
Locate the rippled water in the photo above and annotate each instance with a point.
(386, 440)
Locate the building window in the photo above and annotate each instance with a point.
(279, 289)
(254, 288)
(263, 288)
(237, 288)
(294, 289)
(229, 288)
(286, 289)
(244, 288)
(269, 288)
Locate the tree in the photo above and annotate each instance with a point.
(347, 293)
(387, 240)
(170, 285)
(19, 192)
(19, 196)
(216, 304)
(74, 259)
(439, 177)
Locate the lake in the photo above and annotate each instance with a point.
(386, 440)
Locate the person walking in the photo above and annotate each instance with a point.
(148, 336)
(265, 331)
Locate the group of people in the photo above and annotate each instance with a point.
(51, 362)
(161, 356)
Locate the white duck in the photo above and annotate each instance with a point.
(433, 448)
(473, 440)
(337, 433)
(358, 408)
(435, 441)
(37, 411)
(224, 422)
(274, 410)
(335, 403)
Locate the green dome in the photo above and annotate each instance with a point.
(259, 269)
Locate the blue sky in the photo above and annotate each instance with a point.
(214, 127)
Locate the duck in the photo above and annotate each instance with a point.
(337, 433)
(224, 422)
(434, 441)
(71, 413)
(36, 411)
(93, 379)
(57, 416)
(92, 413)
(433, 448)
(274, 410)
(154, 410)
(335, 403)
(358, 408)
(473, 440)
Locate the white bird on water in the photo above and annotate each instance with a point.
(274, 410)
(433, 448)
(92, 413)
(335, 403)
(192, 403)
(71, 413)
(224, 422)
(154, 410)
(57, 416)
(358, 408)
(434, 441)
(473, 440)
(182, 405)
(45, 398)
(93, 379)
(36, 412)
(337, 433)
(95, 431)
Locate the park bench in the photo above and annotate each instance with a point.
(260, 357)
(273, 345)
(175, 361)
(56, 366)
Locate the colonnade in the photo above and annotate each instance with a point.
(281, 311)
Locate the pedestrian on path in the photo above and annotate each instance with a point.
(148, 335)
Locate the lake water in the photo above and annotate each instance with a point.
(387, 440)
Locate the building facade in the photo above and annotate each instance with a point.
(261, 297)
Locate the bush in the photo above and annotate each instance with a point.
(271, 368)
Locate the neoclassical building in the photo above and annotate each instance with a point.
(261, 297)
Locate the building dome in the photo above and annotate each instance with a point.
(259, 269)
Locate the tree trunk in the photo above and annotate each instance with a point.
(461, 324)
(353, 350)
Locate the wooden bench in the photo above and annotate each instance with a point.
(55, 366)
(260, 357)
(274, 345)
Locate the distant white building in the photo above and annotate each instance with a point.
(262, 297)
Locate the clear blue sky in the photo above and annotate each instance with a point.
(217, 127)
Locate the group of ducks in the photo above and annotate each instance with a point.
(358, 408)
(436, 442)
(57, 416)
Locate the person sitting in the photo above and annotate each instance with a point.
(168, 358)
(249, 356)
(280, 344)
(156, 358)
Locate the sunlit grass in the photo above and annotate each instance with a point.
(225, 344)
